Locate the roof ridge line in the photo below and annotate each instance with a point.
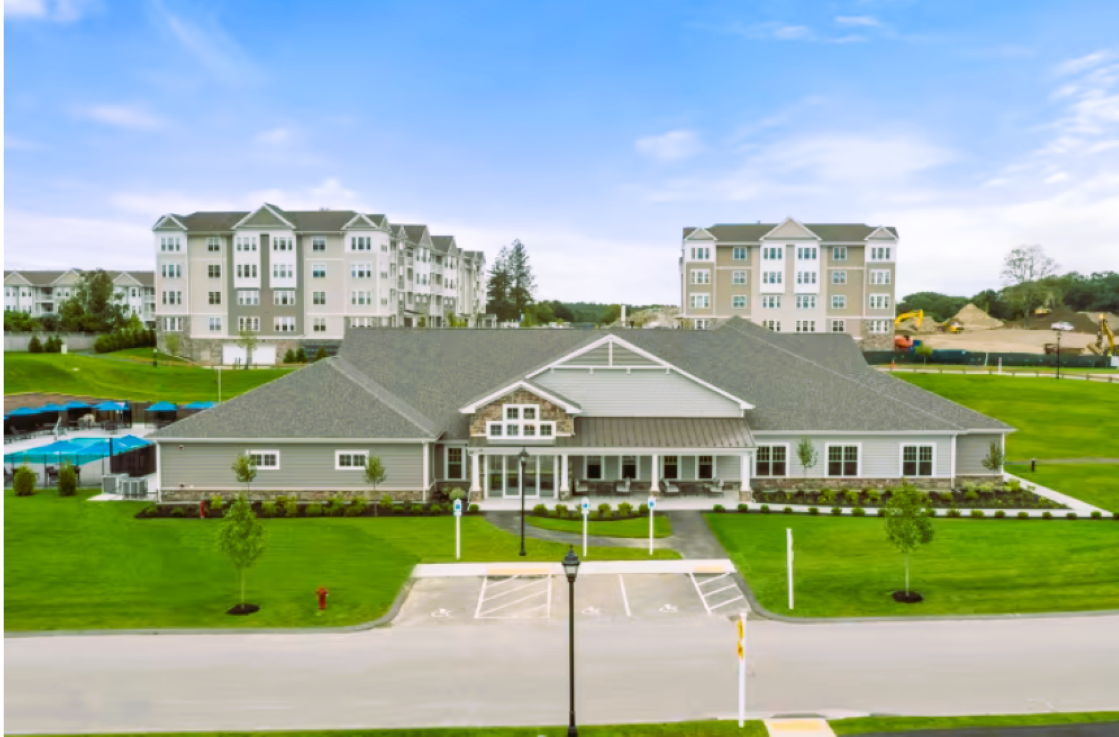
(845, 377)
(382, 394)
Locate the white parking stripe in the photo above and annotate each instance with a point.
(511, 591)
(514, 577)
(728, 601)
(625, 599)
(700, 593)
(511, 603)
(712, 593)
(714, 578)
(481, 597)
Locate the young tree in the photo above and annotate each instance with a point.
(375, 472)
(289, 357)
(498, 287)
(247, 339)
(301, 355)
(807, 455)
(172, 342)
(50, 322)
(1027, 264)
(522, 284)
(67, 479)
(994, 459)
(24, 481)
(35, 345)
(321, 354)
(924, 351)
(241, 538)
(244, 469)
(94, 307)
(908, 524)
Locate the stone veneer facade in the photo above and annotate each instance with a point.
(815, 484)
(548, 412)
(303, 495)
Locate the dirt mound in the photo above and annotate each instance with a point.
(1112, 319)
(1080, 322)
(973, 318)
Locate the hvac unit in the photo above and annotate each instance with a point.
(135, 487)
(111, 483)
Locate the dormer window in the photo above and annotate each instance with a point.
(520, 421)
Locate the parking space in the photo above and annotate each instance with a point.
(540, 596)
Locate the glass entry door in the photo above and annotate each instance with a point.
(505, 478)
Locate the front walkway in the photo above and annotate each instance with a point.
(728, 499)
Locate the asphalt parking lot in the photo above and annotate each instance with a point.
(540, 596)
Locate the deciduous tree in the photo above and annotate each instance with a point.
(807, 455)
(241, 538)
(908, 523)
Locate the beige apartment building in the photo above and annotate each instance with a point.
(40, 293)
(301, 278)
(792, 277)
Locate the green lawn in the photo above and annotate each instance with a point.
(139, 355)
(864, 725)
(1095, 483)
(844, 567)
(98, 377)
(1031, 370)
(636, 527)
(73, 564)
(1055, 419)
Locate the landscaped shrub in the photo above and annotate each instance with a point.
(851, 496)
(289, 357)
(1000, 514)
(743, 508)
(836, 510)
(1014, 486)
(148, 512)
(1096, 514)
(946, 497)
(827, 496)
(607, 514)
(1047, 515)
(216, 503)
(985, 488)
(540, 510)
(881, 511)
(337, 507)
(874, 496)
(954, 512)
(971, 496)
(858, 512)
(435, 510)
(473, 509)
(604, 508)
(314, 510)
(787, 510)
(765, 509)
(178, 512)
(67, 480)
(455, 494)
(357, 507)
(1070, 515)
(789, 495)
(386, 502)
(24, 482)
(291, 507)
(813, 510)
(35, 346)
(977, 513)
(1023, 515)
(968, 486)
(268, 509)
(625, 509)
(561, 511)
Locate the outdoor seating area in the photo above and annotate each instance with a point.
(110, 417)
(97, 455)
(715, 488)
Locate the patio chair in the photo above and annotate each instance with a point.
(714, 487)
(622, 486)
(670, 489)
(582, 487)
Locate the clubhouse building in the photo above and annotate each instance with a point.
(558, 414)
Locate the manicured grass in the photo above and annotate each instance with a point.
(139, 355)
(72, 564)
(635, 527)
(1095, 483)
(844, 567)
(727, 728)
(1055, 419)
(97, 377)
(864, 725)
(1030, 370)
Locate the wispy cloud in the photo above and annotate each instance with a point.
(17, 143)
(275, 137)
(59, 11)
(857, 20)
(209, 43)
(1084, 63)
(134, 116)
(671, 146)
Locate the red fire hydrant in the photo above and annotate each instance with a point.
(322, 592)
(202, 509)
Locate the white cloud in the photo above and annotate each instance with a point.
(36, 241)
(793, 33)
(275, 137)
(857, 20)
(136, 117)
(16, 143)
(770, 31)
(60, 11)
(209, 43)
(671, 146)
(852, 38)
(1084, 63)
(1057, 178)
(148, 206)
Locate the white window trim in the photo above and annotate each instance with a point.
(871, 301)
(736, 297)
(788, 461)
(338, 460)
(842, 323)
(901, 459)
(842, 305)
(520, 422)
(661, 461)
(838, 248)
(734, 278)
(875, 275)
(447, 463)
(859, 466)
(266, 452)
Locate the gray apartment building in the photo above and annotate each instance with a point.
(792, 277)
(295, 277)
(40, 293)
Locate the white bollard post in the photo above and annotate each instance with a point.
(789, 540)
(586, 515)
(458, 529)
(652, 505)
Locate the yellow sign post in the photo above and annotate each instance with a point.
(740, 647)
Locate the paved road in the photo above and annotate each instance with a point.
(512, 673)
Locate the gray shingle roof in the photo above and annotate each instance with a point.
(442, 243)
(414, 233)
(327, 399)
(47, 278)
(754, 231)
(309, 220)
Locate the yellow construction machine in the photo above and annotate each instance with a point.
(917, 315)
(1109, 334)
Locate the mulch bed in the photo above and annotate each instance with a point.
(242, 609)
(990, 500)
(911, 597)
(191, 511)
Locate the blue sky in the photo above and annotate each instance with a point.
(592, 131)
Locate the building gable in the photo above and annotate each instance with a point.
(360, 222)
(266, 216)
(791, 229)
(169, 222)
(699, 234)
(549, 411)
(16, 279)
(883, 234)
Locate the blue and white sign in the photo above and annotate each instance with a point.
(458, 507)
(652, 503)
(586, 507)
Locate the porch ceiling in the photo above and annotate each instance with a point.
(659, 432)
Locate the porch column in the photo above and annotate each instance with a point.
(427, 471)
(654, 488)
(745, 474)
(564, 486)
(475, 483)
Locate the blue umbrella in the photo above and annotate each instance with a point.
(198, 405)
(23, 412)
(162, 407)
(78, 405)
(109, 407)
(52, 408)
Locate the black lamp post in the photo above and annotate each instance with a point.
(1059, 328)
(571, 568)
(523, 458)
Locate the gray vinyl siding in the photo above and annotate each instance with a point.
(880, 455)
(302, 465)
(642, 393)
(728, 467)
(970, 452)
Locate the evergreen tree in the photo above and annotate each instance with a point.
(521, 284)
(498, 289)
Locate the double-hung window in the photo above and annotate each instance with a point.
(772, 460)
(629, 467)
(318, 243)
(879, 276)
(671, 468)
(172, 271)
(361, 270)
(350, 460)
(806, 277)
(701, 276)
(361, 243)
(843, 460)
(916, 460)
(318, 298)
(878, 326)
(213, 245)
(806, 326)
(252, 324)
(839, 253)
(282, 244)
(806, 253)
(172, 298)
(521, 420)
(173, 324)
(839, 277)
(284, 324)
(594, 468)
(215, 298)
(214, 271)
(879, 301)
(773, 253)
(806, 301)
(215, 324)
(774, 325)
(879, 253)
(739, 253)
(283, 271)
(705, 467)
(772, 277)
(456, 467)
(318, 271)
(283, 297)
(838, 326)
(701, 301)
(246, 271)
(248, 297)
(359, 297)
(738, 277)
(265, 460)
(318, 325)
(771, 302)
(701, 254)
(738, 302)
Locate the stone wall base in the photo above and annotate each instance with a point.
(302, 495)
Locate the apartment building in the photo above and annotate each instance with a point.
(291, 277)
(792, 277)
(41, 293)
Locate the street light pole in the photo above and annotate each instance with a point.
(523, 458)
(571, 568)
(1058, 355)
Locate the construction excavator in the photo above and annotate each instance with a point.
(1105, 331)
(905, 342)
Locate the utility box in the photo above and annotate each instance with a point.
(111, 483)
